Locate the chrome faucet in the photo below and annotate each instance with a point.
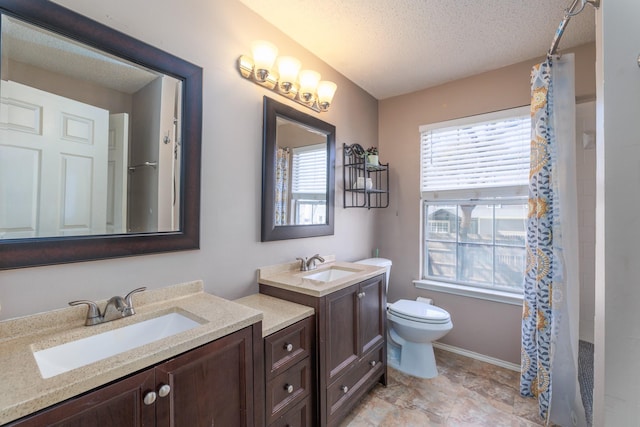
(309, 264)
(116, 308)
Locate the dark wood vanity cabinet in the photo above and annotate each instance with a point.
(212, 385)
(290, 374)
(355, 345)
(116, 405)
(350, 344)
(354, 325)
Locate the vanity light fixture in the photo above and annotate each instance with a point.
(282, 75)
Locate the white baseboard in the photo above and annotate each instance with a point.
(477, 356)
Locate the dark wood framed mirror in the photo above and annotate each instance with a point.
(298, 174)
(154, 205)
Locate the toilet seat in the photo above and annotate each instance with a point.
(417, 311)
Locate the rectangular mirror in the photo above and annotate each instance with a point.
(99, 141)
(298, 174)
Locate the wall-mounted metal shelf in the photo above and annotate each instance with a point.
(365, 185)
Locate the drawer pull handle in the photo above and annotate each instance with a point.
(373, 363)
(289, 388)
(288, 347)
(164, 390)
(149, 398)
(361, 295)
(344, 389)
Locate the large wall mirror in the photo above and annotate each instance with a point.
(100, 140)
(297, 174)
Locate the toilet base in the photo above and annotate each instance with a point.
(415, 359)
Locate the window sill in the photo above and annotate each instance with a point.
(471, 292)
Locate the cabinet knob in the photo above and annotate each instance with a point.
(344, 389)
(164, 390)
(288, 347)
(289, 388)
(373, 363)
(361, 295)
(149, 398)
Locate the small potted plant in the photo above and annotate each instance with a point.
(372, 155)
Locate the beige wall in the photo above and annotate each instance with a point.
(212, 34)
(488, 328)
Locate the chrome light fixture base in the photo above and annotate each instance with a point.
(288, 90)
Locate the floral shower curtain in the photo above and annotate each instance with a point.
(549, 369)
(281, 207)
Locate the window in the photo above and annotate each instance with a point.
(474, 185)
(309, 184)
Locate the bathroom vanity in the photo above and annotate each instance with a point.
(211, 372)
(302, 352)
(350, 328)
(212, 382)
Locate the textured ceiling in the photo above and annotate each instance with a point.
(391, 47)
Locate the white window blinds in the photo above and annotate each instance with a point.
(309, 170)
(480, 156)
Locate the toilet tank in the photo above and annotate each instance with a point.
(378, 262)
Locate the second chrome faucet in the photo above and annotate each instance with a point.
(309, 264)
(116, 308)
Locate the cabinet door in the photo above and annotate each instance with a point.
(341, 330)
(117, 405)
(372, 313)
(211, 386)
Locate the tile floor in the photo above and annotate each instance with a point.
(466, 392)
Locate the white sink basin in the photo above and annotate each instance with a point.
(330, 274)
(74, 354)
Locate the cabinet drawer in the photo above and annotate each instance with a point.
(287, 389)
(298, 416)
(287, 347)
(346, 389)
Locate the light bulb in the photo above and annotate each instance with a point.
(288, 67)
(264, 55)
(308, 83)
(326, 90)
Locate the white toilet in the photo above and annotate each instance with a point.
(411, 328)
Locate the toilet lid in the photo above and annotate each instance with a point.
(419, 311)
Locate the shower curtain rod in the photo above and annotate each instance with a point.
(568, 14)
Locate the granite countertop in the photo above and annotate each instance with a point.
(277, 313)
(24, 391)
(288, 276)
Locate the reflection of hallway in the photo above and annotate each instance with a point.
(53, 163)
(152, 158)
